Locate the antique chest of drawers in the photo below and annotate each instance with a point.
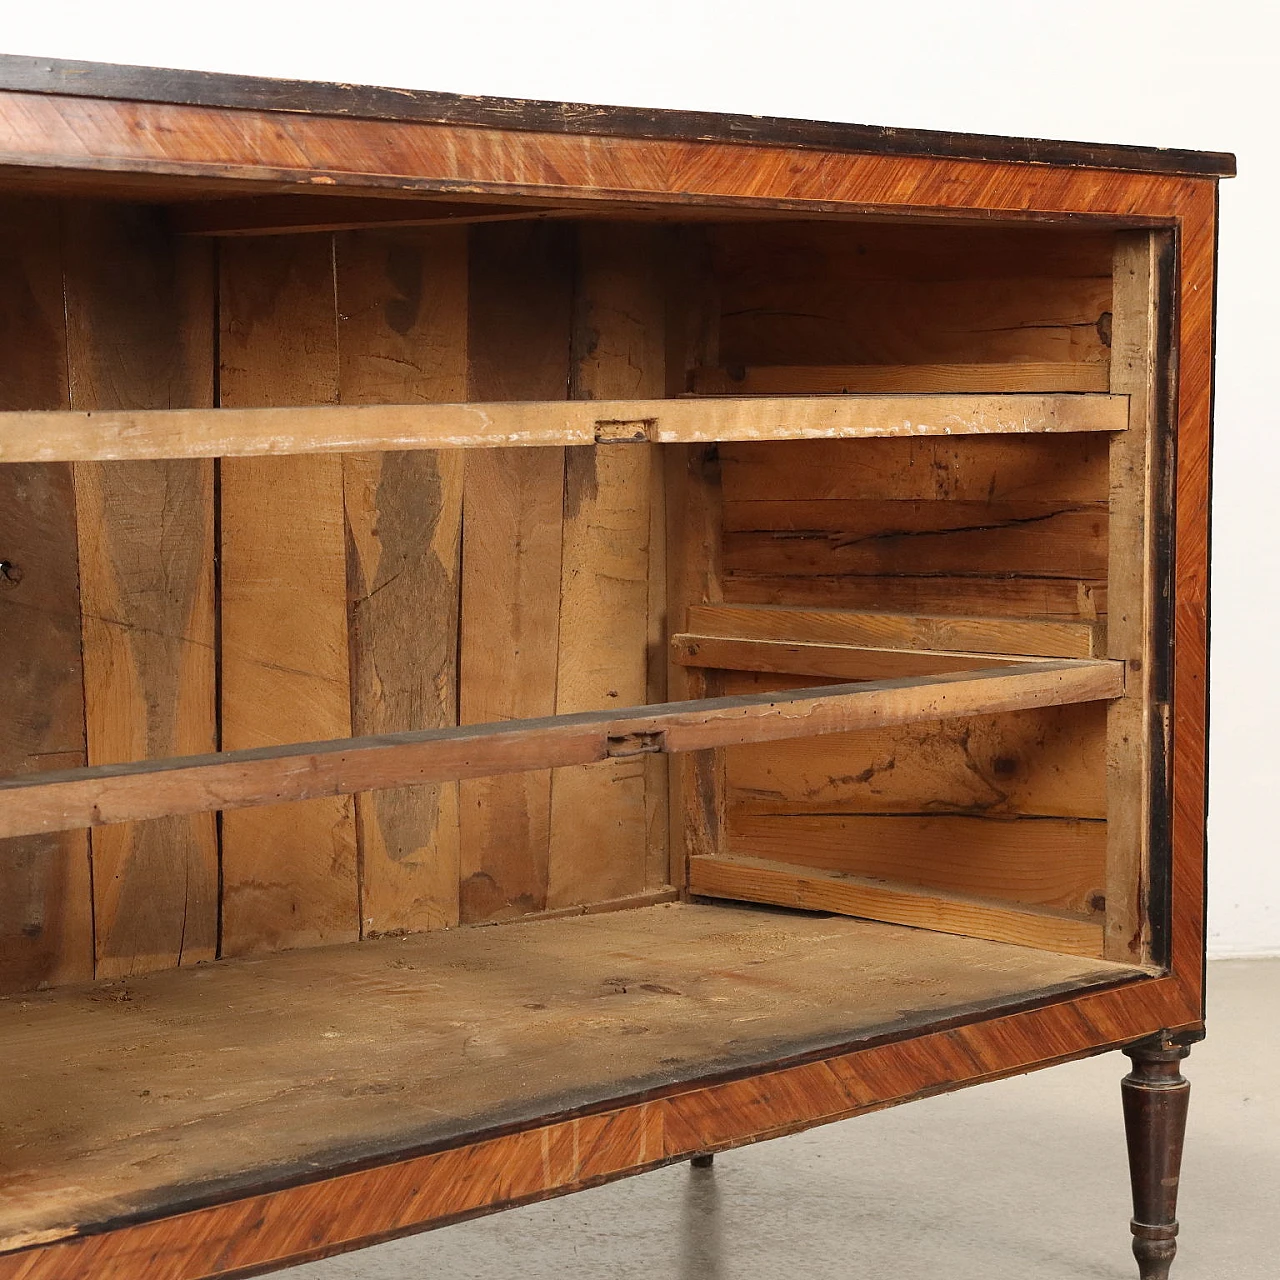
(758, 565)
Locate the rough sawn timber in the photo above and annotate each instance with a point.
(44, 436)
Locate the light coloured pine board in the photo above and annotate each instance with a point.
(140, 310)
(693, 536)
(289, 872)
(554, 1005)
(402, 304)
(484, 423)
(814, 295)
(834, 661)
(301, 771)
(520, 289)
(996, 468)
(1015, 636)
(601, 820)
(746, 879)
(1030, 375)
(1045, 762)
(843, 254)
(1135, 333)
(1037, 861)
(46, 909)
(1059, 599)
(1026, 539)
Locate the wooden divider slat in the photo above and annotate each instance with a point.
(1031, 860)
(304, 770)
(834, 661)
(1031, 637)
(1136, 497)
(140, 315)
(525, 418)
(46, 910)
(519, 320)
(402, 306)
(747, 879)
(289, 874)
(600, 816)
(976, 468)
(1029, 375)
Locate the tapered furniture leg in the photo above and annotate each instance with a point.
(1155, 1096)
(704, 1161)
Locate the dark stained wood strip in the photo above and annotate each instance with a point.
(209, 89)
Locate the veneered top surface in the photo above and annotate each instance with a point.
(20, 73)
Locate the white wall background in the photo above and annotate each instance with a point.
(1171, 72)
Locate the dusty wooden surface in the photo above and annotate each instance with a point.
(133, 1096)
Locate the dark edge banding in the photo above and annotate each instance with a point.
(1164, 480)
(27, 74)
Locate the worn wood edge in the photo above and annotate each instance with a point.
(27, 74)
(803, 657)
(1025, 637)
(300, 771)
(1080, 1019)
(106, 435)
(743, 877)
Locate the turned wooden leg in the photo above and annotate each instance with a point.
(704, 1161)
(1155, 1098)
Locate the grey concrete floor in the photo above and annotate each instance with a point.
(1019, 1180)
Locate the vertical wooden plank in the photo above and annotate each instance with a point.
(46, 908)
(289, 871)
(694, 523)
(1135, 326)
(520, 305)
(140, 311)
(402, 325)
(599, 817)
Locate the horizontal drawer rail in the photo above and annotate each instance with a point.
(105, 794)
(119, 434)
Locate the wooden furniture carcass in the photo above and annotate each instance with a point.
(758, 565)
